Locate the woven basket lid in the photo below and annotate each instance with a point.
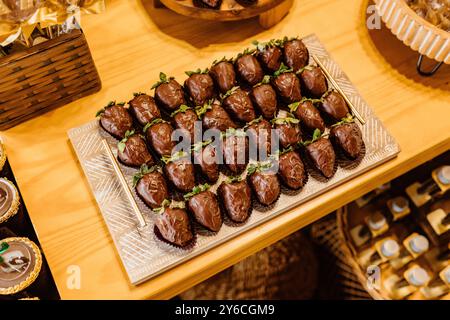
(286, 270)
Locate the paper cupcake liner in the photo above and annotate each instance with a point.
(33, 274)
(15, 204)
(417, 33)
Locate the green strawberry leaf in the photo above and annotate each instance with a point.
(162, 79)
(182, 109)
(196, 190)
(283, 69)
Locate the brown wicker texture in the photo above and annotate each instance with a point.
(44, 77)
(338, 278)
(285, 270)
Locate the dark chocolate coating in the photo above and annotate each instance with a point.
(260, 135)
(181, 174)
(348, 136)
(152, 189)
(174, 226)
(205, 208)
(270, 58)
(334, 105)
(200, 88)
(160, 137)
(236, 198)
(235, 153)
(290, 134)
(211, 3)
(135, 153)
(143, 107)
(207, 160)
(322, 155)
(296, 55)
(170, 95)
(314, 82)
(249, 69)
(217, 118)
(291, 170)
(287, 85)
(186, 121)
(116, 121)
(264, 99)
(266, 187)
(224, 76)
(240, 106)
(309, 116)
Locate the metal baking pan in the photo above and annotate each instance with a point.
(145, 256)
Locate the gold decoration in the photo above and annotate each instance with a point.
(33, 274)
(15, 203)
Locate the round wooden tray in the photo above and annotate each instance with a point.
(270, 12)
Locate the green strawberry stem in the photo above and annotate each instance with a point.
(152, 123)
(174, 157)
(283, 69)
(198, 71)
(162, 79)
(196, 190)
(182, 109)
(143, 170)
(229, 93)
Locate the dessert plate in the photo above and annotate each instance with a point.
(143, 254)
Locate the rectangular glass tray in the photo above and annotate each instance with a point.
(143, 255)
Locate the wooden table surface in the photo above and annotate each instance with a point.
(131, 43)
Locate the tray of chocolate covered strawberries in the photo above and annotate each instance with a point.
(196, 161)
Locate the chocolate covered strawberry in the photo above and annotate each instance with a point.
(269, 55)
(287, 85)
(296, 54)
(238, 104)
(169, 93)
(321, 153)
(264, 98)
(151, 186)
(206, 156)
(144, 109)
(308, 114)
(291, 169)
(184, 118)
(264, 182)
(235, 150)
(289, 130)
(313, 81)
(159, 135)
(334, 105)
(199, 86)
(223, 74)
(115, 119)
(180, 171)
(173, 224)
(259, 132)
(132, 150)
(347, 135)
(204, 206)
(236, 197)
(215, 117)
(248, 68)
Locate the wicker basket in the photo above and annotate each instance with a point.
(44, 77)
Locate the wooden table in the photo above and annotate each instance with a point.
(131, 43)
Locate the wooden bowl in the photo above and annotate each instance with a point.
(269, 11)
(415, 31)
